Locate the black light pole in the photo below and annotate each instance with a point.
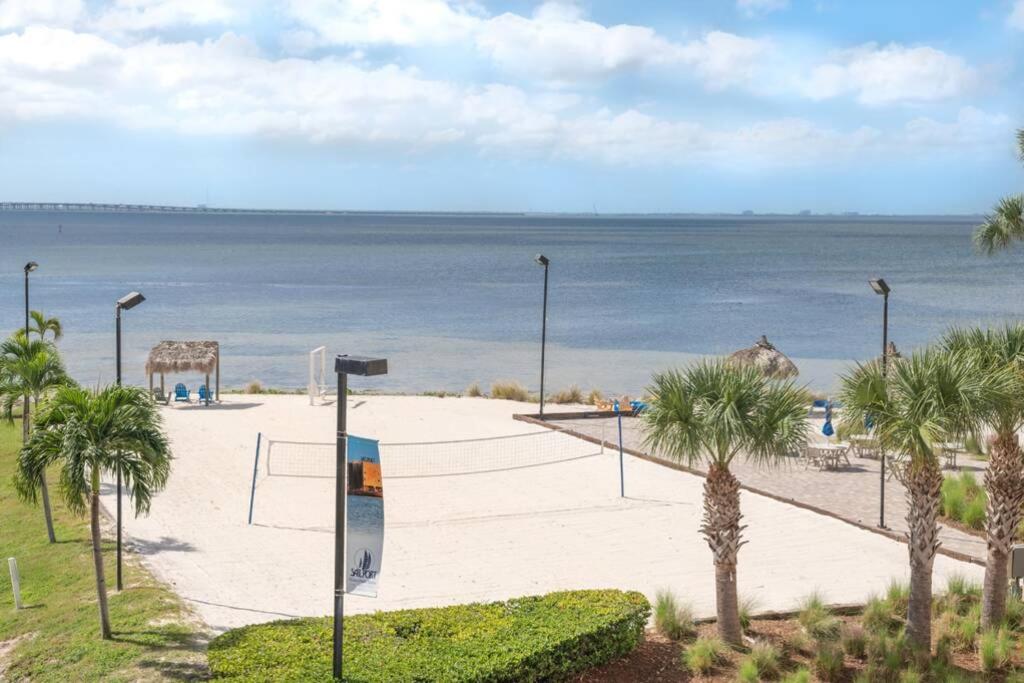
(882, 288)
(543, 260)
(128, 301)
(29, 267)
(344, 366)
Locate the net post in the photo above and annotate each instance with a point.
(255, 470)
(622, 474)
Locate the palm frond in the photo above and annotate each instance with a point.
(1001, 228)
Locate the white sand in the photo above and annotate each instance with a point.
(469, 538)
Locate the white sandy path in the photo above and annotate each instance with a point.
(518, 532)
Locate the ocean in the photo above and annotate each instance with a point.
(456, 299)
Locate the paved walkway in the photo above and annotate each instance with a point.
(851, 493)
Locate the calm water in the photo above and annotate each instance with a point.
(453, 299)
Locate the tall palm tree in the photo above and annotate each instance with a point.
(932, 397)
(999, 351)
(87, 434)
(41, 325)
(1005, 225)
(713, 413)
(29, 370)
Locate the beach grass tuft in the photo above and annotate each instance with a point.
(510, 391)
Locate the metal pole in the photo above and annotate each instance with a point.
(885, 367)
(12, 564)
(255, 469)
(622, 476)
(340, 494)
(117, 316)
(26, 304)
(543, 339)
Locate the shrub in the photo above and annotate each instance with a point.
(765, 658)
(994, 649)
(887, 655)
(817, 621)
(673, 620)
(799, 676)
(570, 395)
(748, 606)
(961, 594)
(878, 617)
(474, 391)
(964, 629)
(748, 672)
(953, 498)
(910, 677)
(897, 594)
(964, 500)
(854, 641)
(828, 663)
(532, 638)
(254, 387)
(974, 512)
(703, 655)
(510, 391)
(594, 397)
(1014, 618)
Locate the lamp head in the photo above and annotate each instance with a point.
(542, 260)
(130, 300)
(30, 266)
(364, 366)
(879, 286)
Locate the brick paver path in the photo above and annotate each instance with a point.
(851, 493)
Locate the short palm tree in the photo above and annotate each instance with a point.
(86, 434)
(932, 397)
(712, 413)
(41, 325)
(999, 351)
(1005, 225)
(29, 370)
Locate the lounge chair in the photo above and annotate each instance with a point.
(204, 393)
(160, 397)
(181, 393)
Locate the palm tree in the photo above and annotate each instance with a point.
(932, 397)
(90, 433)
(1005, 224)
(41, 325)
(1001, 352)
(28, 371)
(712, 413)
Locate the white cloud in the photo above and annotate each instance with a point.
(1016, 18)
(146, 15)
(17, 13)
(754, 8)
(228, 87)
(894, 73)
(395, 22)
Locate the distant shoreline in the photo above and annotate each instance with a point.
(200, 209)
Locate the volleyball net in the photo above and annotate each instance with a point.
(464, 463)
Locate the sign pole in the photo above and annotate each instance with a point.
(340, 496)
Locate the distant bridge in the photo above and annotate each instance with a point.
(141, 208)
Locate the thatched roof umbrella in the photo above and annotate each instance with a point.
(765, 357)
(185, 356)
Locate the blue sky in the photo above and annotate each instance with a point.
(702, 106)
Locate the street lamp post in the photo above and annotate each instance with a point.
(127, 302)
(543, 260)
(345, 365)
(882, 289)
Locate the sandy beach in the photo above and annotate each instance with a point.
(476, 537)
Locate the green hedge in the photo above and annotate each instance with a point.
(540, 638)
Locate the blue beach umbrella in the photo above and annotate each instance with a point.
(827, 428)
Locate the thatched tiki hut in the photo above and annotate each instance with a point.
(170, 357)
(765, 357)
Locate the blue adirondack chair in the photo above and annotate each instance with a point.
(204, 393)
(181, 392)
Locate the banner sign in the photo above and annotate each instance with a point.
(364, 517)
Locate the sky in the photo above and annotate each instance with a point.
(601, 105)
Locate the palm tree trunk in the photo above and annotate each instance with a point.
(924, 483)
(1004, 482)
(97, 556)
(25, 431)
(722, 530)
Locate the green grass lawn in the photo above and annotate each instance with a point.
(56, 636)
